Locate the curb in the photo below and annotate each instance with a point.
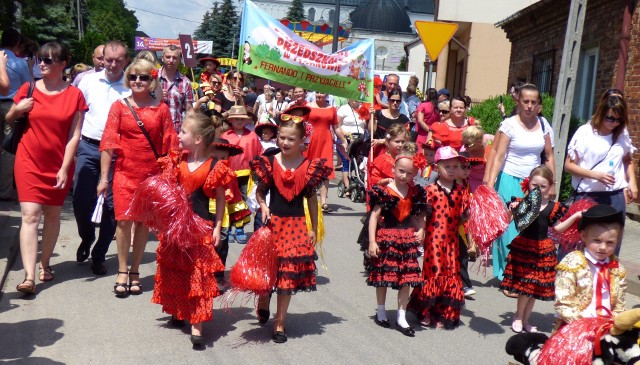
(9, 238)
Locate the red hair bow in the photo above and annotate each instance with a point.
(419, 162)
(524, 185)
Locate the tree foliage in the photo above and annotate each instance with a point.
(221, 26)
(296, 11)
(57, 20)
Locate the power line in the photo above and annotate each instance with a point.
(165, 15)
(193, 2)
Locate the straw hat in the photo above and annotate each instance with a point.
(238, 111)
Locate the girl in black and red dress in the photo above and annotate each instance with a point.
(531, 265)
(439, 302)
(394, 239)
(289, 178)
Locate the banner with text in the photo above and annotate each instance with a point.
(157, 44)
(273, 51)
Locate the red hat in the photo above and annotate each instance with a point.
(260, 126)
(223, 144)
(431, 144)
(305, 110)
(209, 58)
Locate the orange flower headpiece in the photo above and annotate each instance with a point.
(154, 73)
(419, 161)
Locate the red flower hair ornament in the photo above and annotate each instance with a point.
(419, 161)
(524, 185)
(154, 73)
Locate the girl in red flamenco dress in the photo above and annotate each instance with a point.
(185, 284)
(394, 238)
(439, 302)
(289, 178)
(531, 265)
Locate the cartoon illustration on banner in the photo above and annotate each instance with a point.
(273, 51)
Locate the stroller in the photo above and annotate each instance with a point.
(358, 151)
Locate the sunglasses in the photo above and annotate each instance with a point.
(143, 78)
(444, 111)
(215, 82)
(47, 61)
(468, 145)
(395, 101)
(612, 119)
(294, 118)
(237, 78)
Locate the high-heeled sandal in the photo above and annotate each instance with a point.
(118, 288)
(135, 284)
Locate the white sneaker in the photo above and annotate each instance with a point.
(468, 292)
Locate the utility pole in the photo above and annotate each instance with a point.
(567, 82)
(79, 14)
(336, 25)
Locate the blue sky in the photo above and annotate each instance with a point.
(190, 13)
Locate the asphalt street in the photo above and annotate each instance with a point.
(76, 319)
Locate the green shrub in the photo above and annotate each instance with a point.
(490, 118)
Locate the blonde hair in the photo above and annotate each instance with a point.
(473, 134)
(147, 55)
(409, 149)
(542, 171)
(204, 126)
(445, 105)
(396, 130)
(141, 66)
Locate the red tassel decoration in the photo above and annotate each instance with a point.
(573, 344)
(486, 203)
(256, 268)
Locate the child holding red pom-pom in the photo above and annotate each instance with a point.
(289, 178)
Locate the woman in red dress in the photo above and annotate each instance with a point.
(135, 161)
(324, 120)
(44, 160)
(449, 132)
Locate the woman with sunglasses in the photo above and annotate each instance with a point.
(44, 163)
(232, 93)
(278, 106)
(140, 130)
(385, 118)
(599, 156)
(324, 120)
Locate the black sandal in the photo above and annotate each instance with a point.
(326, 209)
(135, 284)
(121, 293)
(279, 337)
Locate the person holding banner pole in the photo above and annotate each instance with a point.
(324, 120)
(231, 94)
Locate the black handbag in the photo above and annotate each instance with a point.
(11, 140)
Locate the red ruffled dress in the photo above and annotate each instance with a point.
(135, 160)
(185, 284)
(296, 256)
(441, 298)
(531, 264)
(397, 264)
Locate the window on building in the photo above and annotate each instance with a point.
(312, 15)
(542, 72)
(584, 96)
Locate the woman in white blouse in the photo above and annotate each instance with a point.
(522, 139)
(277, 106)
(599, 156)
(351, 124)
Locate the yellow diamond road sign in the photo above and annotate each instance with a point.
(435, 35)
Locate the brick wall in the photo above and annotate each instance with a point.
(542, 28)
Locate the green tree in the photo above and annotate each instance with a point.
(226, 29)
(50, 21)
(402, 66)
(8, 11)
(206, 29)
(296, 11)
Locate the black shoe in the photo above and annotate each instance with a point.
(263, 315)
(407, 331)
(197, 341)
(175, 322)
(279, 337)
(382, 323)
(98, 267)
(83, 252)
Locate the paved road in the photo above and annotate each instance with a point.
(77, 320)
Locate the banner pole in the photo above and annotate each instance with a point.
(371, 134)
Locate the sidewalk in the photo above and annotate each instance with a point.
(10, 228)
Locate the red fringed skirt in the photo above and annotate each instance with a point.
(440, 300)
(531, 268)
(185, 282)
(296, 256)
(397, 265)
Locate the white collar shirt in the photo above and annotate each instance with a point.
(99, 94)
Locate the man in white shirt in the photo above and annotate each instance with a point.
(100, 89)
(261, 99)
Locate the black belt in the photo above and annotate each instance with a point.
(601, 193)
(92, 141)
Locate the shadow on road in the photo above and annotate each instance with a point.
(19, 340)
(482, 325)
(544, 322)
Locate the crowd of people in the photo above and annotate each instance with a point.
(124, 123)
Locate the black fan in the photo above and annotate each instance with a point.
(528, 210)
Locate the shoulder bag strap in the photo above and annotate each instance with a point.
(594, 166)
(142, 128)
